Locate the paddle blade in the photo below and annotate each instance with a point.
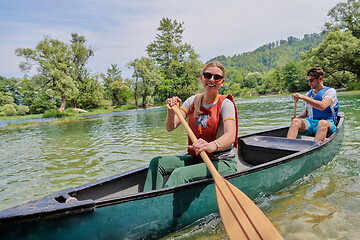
(241, 217)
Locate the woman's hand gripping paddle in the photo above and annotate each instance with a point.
(241, 217)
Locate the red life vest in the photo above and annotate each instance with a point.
(209, 132)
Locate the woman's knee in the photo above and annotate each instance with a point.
(154, 163)
(177, 177)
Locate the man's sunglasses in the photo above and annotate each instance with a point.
(217, 77)
(312, 79)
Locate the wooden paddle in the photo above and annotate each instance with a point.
(241, 217)
(295, 104)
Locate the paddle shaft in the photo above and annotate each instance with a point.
(241, 217)
(295, 104)
(193, 138)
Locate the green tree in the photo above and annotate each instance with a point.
(273, 82)
(8, 107)
(52, 59)
(36, 96)
(190, 76)
(11, 85)
(6, 98)
(178, 61)
(115, 88)
(61, 65)
(272, 55)
(345, 16)
(147, 76)
(252, 80)
(92, 94)
(293, 76)
(339, 52)
(89, 89)
(234, 81)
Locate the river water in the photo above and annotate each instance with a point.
(40, 159)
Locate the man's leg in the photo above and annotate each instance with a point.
(297, 124)
(323, 127)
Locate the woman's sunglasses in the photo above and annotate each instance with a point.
(217, 77)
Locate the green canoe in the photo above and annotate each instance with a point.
(117, 208)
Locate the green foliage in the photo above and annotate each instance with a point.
(354, 86)
(116, 89)
(339, 52)
(11, 85)
(252, 80)
(147, 77)
(92, 94)
(37, 97)
(294, 77)
(8, 107)
(8, 110)
(178, 61)
(272, 68)
(345, 16)
(55, 114)
(6, 98)
(22, 110)
(274, 82)
(272, 55)
(61, 65)
(11, 109)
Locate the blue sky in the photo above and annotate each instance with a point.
(120, 30)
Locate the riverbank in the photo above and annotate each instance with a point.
(69, 116)
(72, 115)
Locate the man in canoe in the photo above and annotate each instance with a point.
(322, 107)
(213, 119)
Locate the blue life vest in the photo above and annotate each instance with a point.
(329, 113)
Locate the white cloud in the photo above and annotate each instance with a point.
(120, 30)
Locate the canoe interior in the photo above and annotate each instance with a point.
(122, 185)
(257, 149)
(254, 149)
(264, 147)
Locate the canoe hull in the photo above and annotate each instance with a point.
(155, 214)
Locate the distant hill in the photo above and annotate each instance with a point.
(272, 55)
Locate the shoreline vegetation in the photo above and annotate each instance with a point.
(71, 115)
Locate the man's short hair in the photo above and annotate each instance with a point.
(315, 72)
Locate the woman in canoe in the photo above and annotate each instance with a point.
(213, 119)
